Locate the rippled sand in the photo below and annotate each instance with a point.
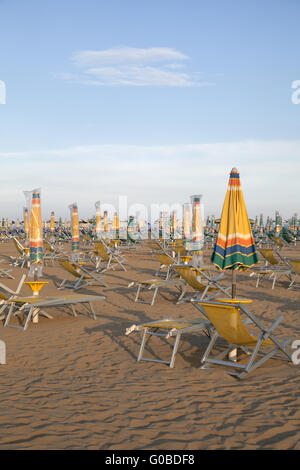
(74, 383)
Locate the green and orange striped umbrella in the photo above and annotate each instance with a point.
(234, 248)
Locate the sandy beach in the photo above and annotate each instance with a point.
(75, 383)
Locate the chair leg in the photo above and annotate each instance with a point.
(143, 344)
(209, 348)
(175, 348)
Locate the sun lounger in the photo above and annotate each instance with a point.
(226, 318)
(295, 265)
(275, 266)
(83, 277)
(30, 306)
(154, 285)
(109, 256)
(167, 328)
(200, 281)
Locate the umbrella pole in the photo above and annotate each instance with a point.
(233, 290)
(232, 356)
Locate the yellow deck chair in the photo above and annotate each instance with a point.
(107, 255)
(274, 267)
(154, 285)
(31, 306)
(23, 254)
(167, 328)
(165, 261)
(83, 277)
(225, 316)
(200, 282)
(295, 265)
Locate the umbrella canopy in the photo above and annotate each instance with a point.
(234, 248)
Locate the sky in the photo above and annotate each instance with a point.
(152, 100)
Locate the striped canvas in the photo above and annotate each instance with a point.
(234, 247)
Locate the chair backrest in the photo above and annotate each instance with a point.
(18, 245)
(188, 273)
(228, 323)
(268, 254)
(48, 246)
(3, 296)
(69, 266)
(101, 250)
(295, 263)
(155, 245)
(164, 258)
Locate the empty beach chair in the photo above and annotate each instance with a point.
(17, 305)
(167, 328)
(200, 281)
(226, 318)
(83, 277)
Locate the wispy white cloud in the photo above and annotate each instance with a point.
(126, 55)
(155, 174)
(129, 66)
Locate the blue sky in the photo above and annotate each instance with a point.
(156, 100)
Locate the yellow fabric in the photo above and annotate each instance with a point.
(269, 255)
(187, 273)
(72, 269)
(227, 321)
(164, 259)
(296, 265)
(168, 324)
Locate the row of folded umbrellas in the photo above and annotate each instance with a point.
(234, 246)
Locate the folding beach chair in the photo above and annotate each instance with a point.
(275, 266)
(295, 265)
(5, 272)
(154, 285)
(109, 256)
(83, 277)
(23, 254)
(52, 253)
(165, 261)
(30, 306)
(200, 281)
(226, 318)
(167, 328)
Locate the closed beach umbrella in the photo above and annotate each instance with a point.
(261, 224)
(105, 217)
(98, 219)
(234, 248)
(52, 222)
(26, 223)
(196, 245)
(187, 221)
(278, 225)
(173, 224)
(35, 233)
(115, 225)
(75, 231)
